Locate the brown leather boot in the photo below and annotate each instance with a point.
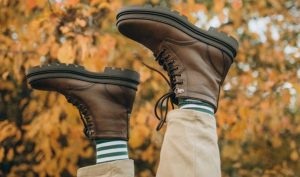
(197, 61)
(104, 99)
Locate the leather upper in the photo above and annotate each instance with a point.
(197, 69)
(105, 107)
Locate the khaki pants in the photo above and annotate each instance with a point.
(190, 149)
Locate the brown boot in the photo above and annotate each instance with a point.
(196, 61)
(104, 99)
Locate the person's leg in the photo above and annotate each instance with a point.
(111, 160)
(118, 168)
(190, 146)
(197, 62)
(191, 141)
(105, 101)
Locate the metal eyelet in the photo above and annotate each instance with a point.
(179, 91)
(92, 132)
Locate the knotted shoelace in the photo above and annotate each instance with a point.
(168, 98)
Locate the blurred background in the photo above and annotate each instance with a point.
(258, 117)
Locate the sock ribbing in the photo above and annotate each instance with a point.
(196, 105)
(111, 150)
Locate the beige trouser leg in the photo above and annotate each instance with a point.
(190, 147)
(119, 168)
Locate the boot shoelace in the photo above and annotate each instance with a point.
(84, 116)
(168, 65)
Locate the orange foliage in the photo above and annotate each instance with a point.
(258, 116)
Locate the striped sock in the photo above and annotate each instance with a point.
(196, 105)
(111, 150)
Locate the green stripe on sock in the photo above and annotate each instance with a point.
(98, 141)
(182, 103)
(112, 147)
(197, 105)
(111, 150)
(112, 154)
(202, 110)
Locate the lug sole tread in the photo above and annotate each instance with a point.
(111, 75)
(212, 36)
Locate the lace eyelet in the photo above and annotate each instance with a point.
(92, 132)
(84, 115)
(169, 65)
(179, 91)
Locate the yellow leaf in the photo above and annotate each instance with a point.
(294, 155)
(80, 22)
(1, 154)
(138, 136)
(218, 5)
(66, 53)
(276, 142)
(236, 4)
(10, 154)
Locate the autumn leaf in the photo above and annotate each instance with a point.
(65, 53)
(218, 5)
(258, 115)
